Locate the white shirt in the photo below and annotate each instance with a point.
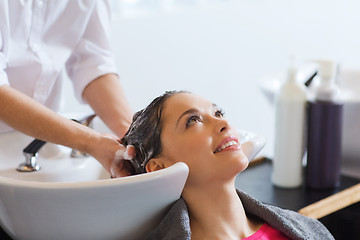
(42, 41)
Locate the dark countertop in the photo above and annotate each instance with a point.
(256, 181)
(3, 235)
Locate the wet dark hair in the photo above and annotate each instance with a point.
(145, 131)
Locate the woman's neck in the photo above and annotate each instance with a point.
(216, 212)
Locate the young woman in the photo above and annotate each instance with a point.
(182, 127)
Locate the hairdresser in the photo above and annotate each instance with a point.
(40, 43)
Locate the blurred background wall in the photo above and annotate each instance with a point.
(224, 49)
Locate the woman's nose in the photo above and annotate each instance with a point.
(222, 125)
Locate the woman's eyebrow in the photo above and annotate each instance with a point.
(189, 111)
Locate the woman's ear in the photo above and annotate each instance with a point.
(154, 164)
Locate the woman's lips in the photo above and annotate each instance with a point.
(229, 143)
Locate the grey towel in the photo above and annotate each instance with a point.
(176, 224)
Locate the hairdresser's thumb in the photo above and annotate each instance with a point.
(130, 152)
(119, 166)
(121, 169)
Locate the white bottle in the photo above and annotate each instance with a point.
(290, 121)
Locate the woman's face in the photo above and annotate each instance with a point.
(196, 132)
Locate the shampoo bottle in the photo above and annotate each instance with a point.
(290, 121)
(325, 111)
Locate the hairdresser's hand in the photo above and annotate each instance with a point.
(121, 165)
(108, 150)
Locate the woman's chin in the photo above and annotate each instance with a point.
(241, 164)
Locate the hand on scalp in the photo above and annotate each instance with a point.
(121, 166)
(112, 154)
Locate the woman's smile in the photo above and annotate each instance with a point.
(230, 143)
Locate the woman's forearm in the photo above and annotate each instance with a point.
(30, 117)
(107, 98)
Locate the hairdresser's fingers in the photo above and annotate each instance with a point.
(130, 152)
(112, 154)
(104, 149)
(121, 168)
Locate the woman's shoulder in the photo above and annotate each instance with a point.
(291, 223)
(175, 224)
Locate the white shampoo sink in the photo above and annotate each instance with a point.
(74, 198)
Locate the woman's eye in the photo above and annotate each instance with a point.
(219, 113)
(192, 119)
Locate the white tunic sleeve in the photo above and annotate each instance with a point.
(93, 56)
